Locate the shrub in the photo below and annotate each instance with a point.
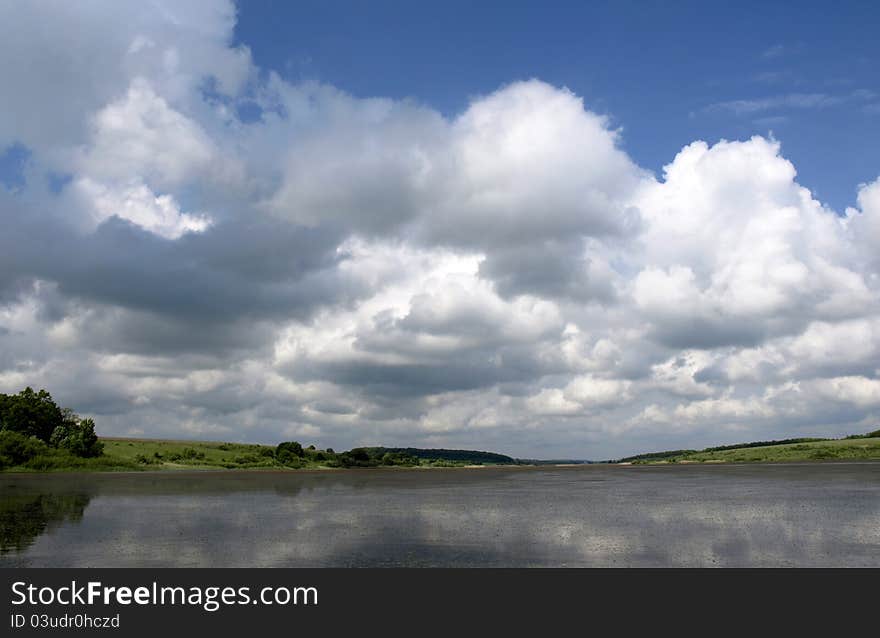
(288, 452)
(16, 448)
(77, 436)
(398, 458)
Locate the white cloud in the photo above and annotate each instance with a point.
(136, 203)
(865, 223)
(737, 251)
(140, 134)
(857, 390)
(74, 59)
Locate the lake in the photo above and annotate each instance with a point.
(811, 514)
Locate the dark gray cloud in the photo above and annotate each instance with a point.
(260, 269)
(553, 268)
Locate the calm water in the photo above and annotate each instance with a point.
(798, 515)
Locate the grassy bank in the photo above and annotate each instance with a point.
(861, 447)
(123, 454)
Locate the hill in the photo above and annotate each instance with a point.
(470, 457)
(857, 446)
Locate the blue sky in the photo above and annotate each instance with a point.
(666, 72)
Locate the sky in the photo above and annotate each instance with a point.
(545, 229)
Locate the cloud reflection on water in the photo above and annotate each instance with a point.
(805, 515)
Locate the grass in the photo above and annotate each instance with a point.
(152, 454)
(862, 448)
(123, 454)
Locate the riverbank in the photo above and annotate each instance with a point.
(139, 455)
(166, 455)
(862, 447)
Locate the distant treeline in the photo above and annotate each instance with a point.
(653, 456)
(553, 462)
(869, 435)
(441, 454)
(292, 454)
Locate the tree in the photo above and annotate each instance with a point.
(77, 436)
(289, 452)
(29, 420)
(30, 413)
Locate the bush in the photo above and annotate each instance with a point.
(77, 436)
(398, 458)
(17, 449)
(289, 452)
(191, 454)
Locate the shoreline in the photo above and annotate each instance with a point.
(196, 471)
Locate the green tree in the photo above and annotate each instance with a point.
(30, 413)
(289, 453)
(76, 435)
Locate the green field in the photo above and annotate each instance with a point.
(862, 448)
(154, 454)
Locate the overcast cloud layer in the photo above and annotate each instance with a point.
(351, 271)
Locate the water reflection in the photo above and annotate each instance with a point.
(25, 514)
(594, 516)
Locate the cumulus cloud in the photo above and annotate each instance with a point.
(365, 271)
